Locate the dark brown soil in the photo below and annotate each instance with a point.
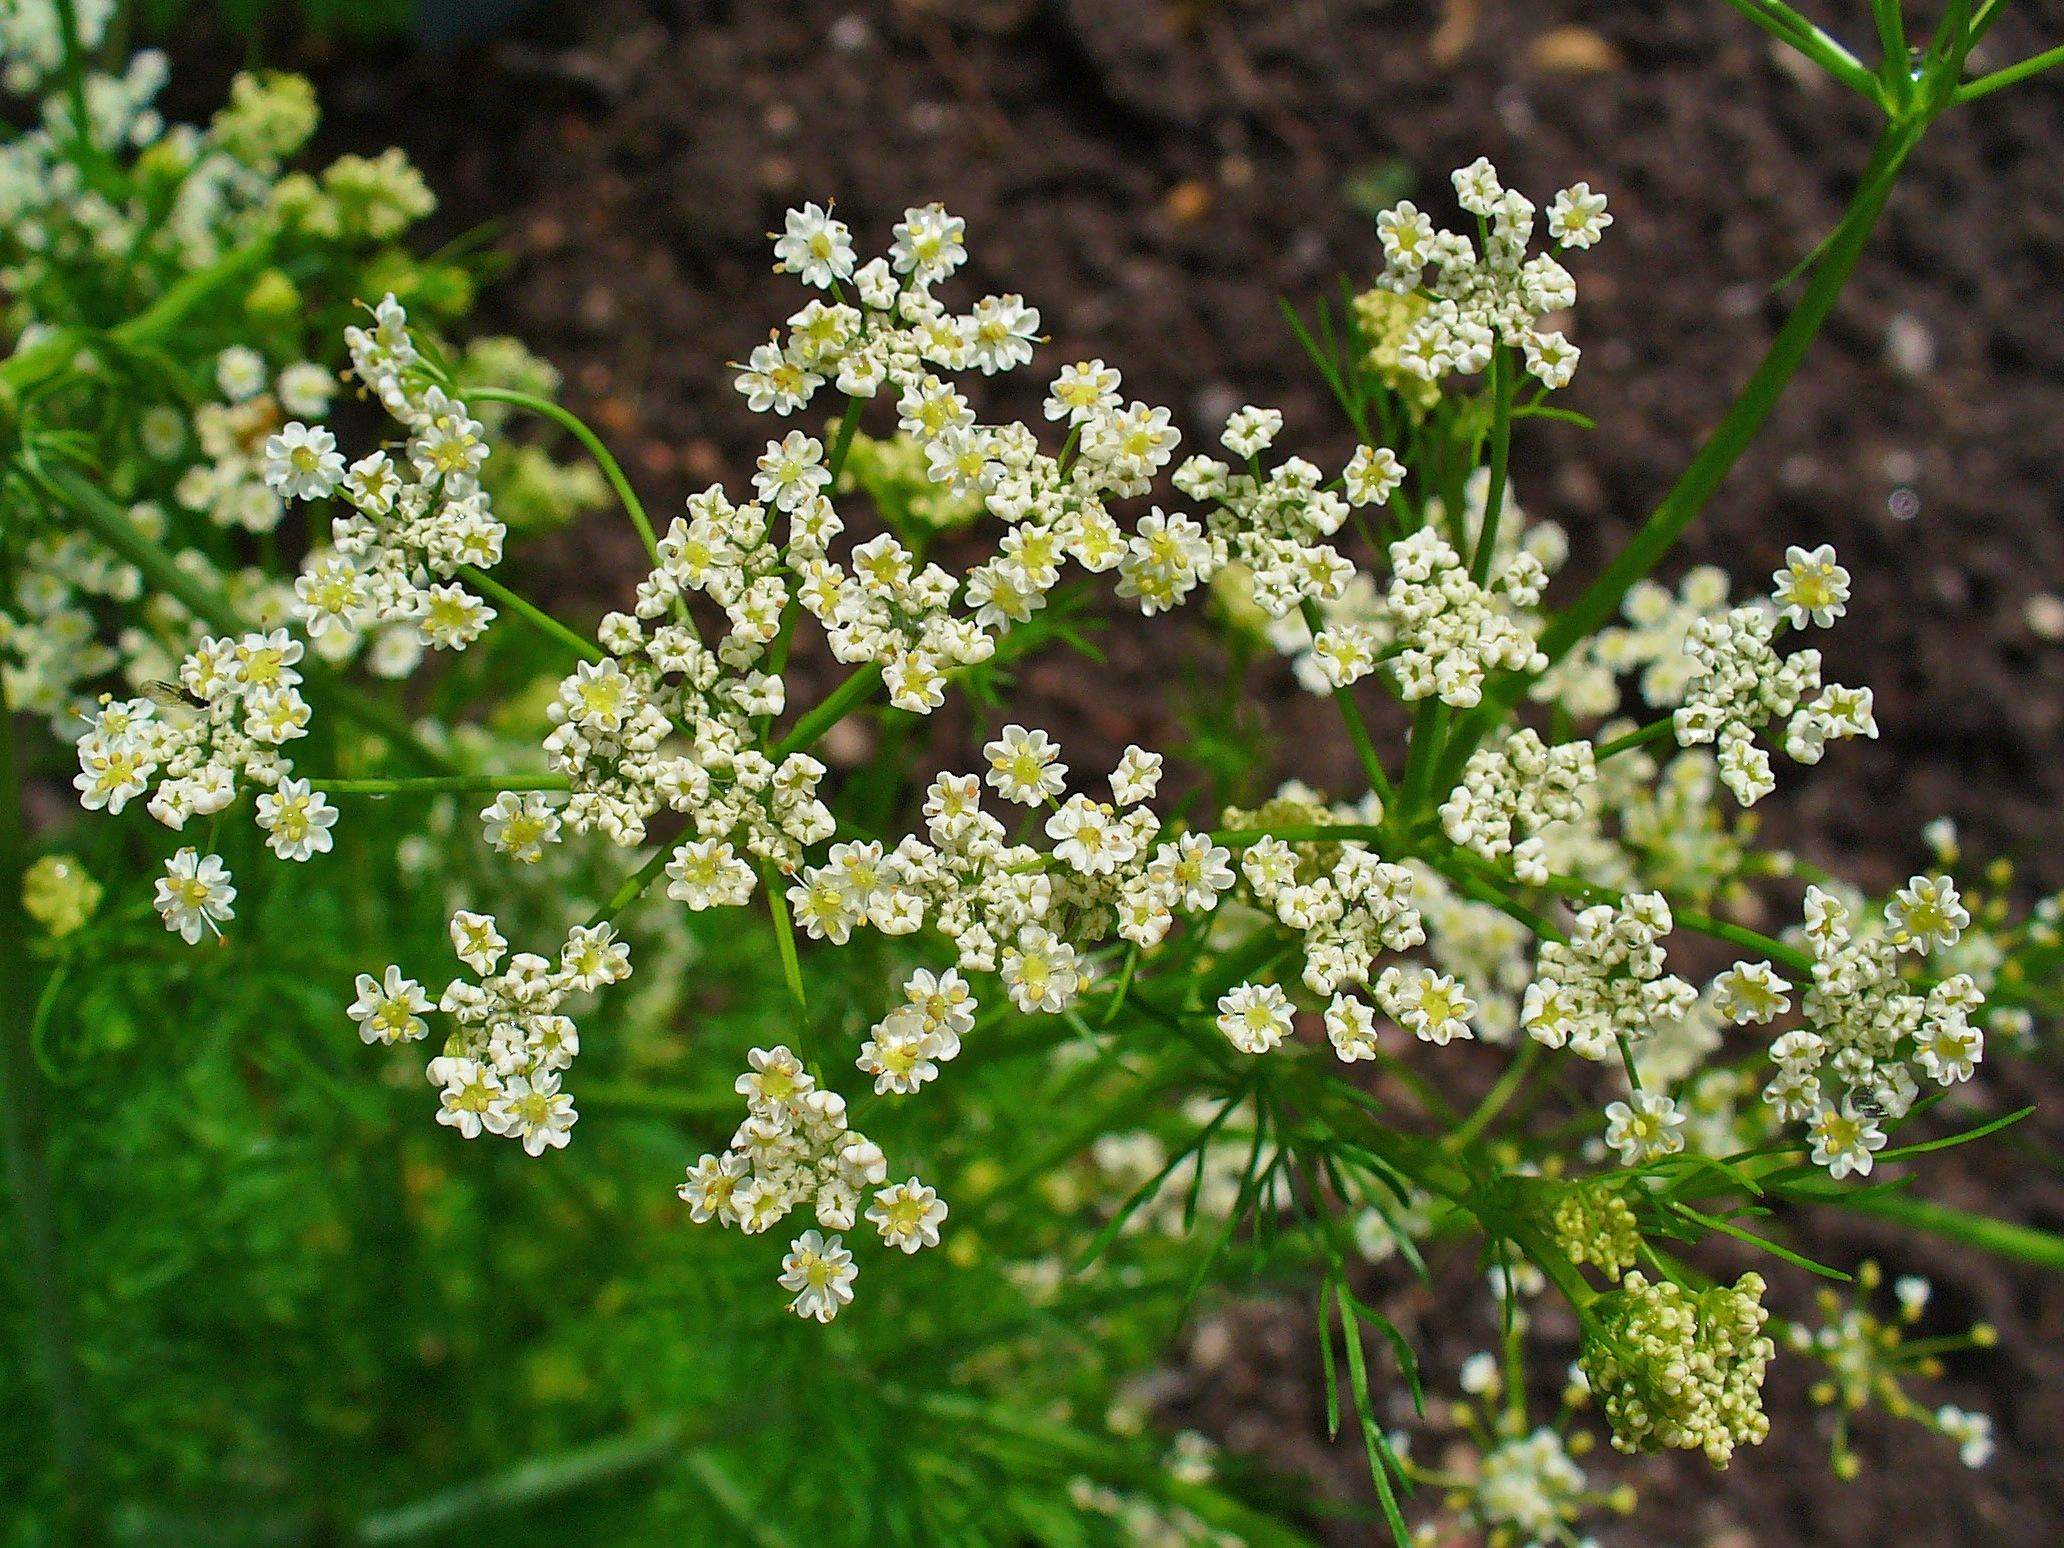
(1154, 176)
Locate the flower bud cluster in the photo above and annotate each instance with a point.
(1595, 1224)
(1678, 1370)
(1511, 791)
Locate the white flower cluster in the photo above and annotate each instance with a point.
(1513, 790)
(1360, 907)
(884, 329)
(1742, 684)
(237, 707)
(1606, 982)
(795, 1149)
(1363, 629)
(1486, 291)
(1275, 526)
(1530, 1487)
(413, 523)
(1655, 624)
(1107, 873)
(501, 1067)
(1845, 1071)
(1447, 632)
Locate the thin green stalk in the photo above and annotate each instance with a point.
(73, 68)
(539, 1478)
(1654, 731)
(2003, 1238)
(784, 934)
(545, 408)
(1495, 1100)
(1357, 728)
(1795, 31)
(633, 887)
(443, 784)
(2012, 75)
(29, 367)
(842, 443)
(1301, 833)
(835, 707)
(111, 524)
(532, 614)
(1502, 385)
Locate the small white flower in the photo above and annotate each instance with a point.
(821, 1273)
(390, 1009)
(1254, 1017)
(194, 895)
(908, 1215)
(302, 462)
(1644, 1128)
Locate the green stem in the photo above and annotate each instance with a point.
(30, 367)
(1301, 833)
(2012, 75)
(633, 886)
(527, 1483)
(545, 408)
(532, 614)
(1496, 1098)
(835, 707)
(1502, 384)
(1794, 30)
(2003, 1238)
(784, 934)
(843, 442)
(1654, 731)
(1357, 728)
